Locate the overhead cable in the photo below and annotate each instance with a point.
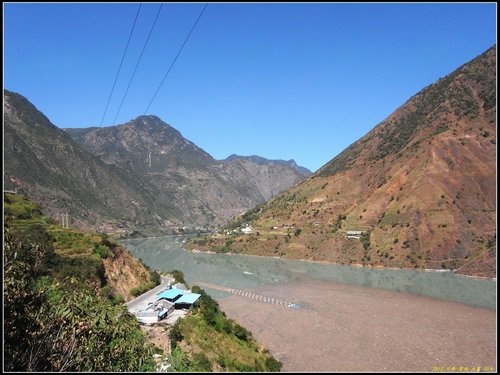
(138, 61)
(121, 62)
(175, 59)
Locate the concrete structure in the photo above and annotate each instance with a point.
(170, 294)
(155, 312)
(356, 234)
(162, 307)
(165, 306)
(187, 300)
(147, 316)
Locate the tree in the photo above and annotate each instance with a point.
(52, 325)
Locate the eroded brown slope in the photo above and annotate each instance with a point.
(124, 273)
(421, 185)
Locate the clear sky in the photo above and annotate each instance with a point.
(284, 81)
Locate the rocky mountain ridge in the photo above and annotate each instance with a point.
(186, 178)
(140, 177)
(43, 162)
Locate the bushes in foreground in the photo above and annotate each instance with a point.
(211, 341)
(61, 325)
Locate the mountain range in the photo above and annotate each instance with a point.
(417, 191)
(141, 177)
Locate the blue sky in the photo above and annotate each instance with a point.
(285, 81)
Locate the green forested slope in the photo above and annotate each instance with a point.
(60, 312)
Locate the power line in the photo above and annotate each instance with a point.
(121, 62)
(175, 59)
(138, 61)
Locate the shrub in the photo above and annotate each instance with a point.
(200, 363)
(141, 289)
(273, 364)
(102, 251)
(241, 333)
(54, 326)
(178, 276)
(175, 334)
(155, 277)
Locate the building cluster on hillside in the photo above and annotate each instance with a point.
(247, 229)
(166, 303)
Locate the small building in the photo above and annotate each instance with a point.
(170, 294)
(354, 232)
(162, 308)
(165, 305)
(187, 300)
(246, 230)
(147, 316)
(155, 312)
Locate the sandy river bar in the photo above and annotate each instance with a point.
(342, 327)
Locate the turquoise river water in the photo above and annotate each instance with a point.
(240, 271)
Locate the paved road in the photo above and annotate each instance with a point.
(138, 302)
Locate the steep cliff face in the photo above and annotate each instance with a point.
(123, 273)
(421, 186)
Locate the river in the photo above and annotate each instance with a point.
(338, 318)
(241, 271)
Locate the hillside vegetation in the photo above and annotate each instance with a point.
(420, 187)
(206, 340)
(63, 295)
(60, 314)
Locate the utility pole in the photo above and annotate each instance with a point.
(64, 220)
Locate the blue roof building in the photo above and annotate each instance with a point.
(183, 299)
(170, 294)
(189, 298)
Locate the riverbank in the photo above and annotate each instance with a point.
(341, 327)
(348, 318)
(355, 265)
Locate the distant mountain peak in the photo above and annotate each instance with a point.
(150, 122)
(263, 161)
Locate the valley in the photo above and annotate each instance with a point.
(250, 187)
(316, 316)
